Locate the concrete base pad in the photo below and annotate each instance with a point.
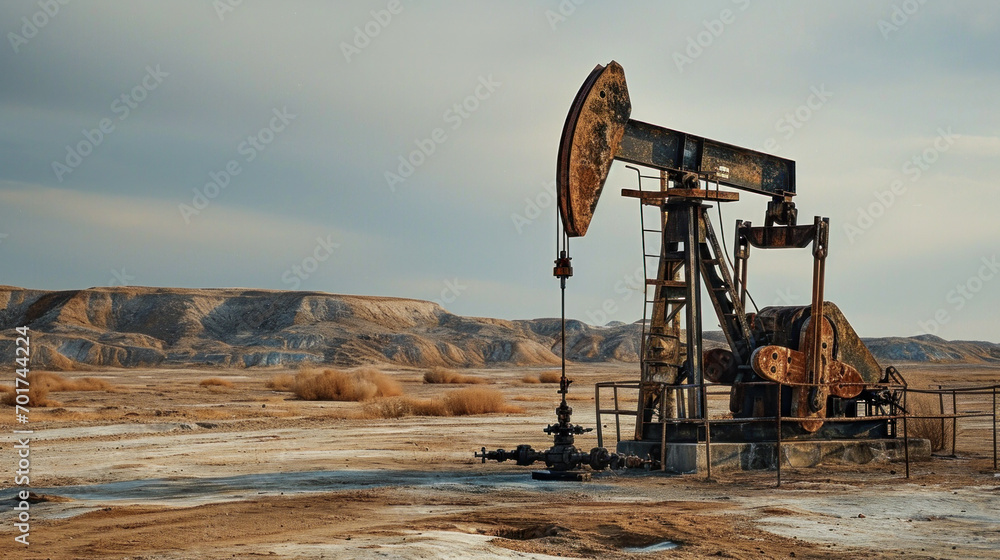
(690, 457)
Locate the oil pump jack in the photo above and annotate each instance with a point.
(780, 362)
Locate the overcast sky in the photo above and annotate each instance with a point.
(247, 144)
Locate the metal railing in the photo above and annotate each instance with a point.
(893, 411)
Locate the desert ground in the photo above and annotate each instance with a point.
(162, 466)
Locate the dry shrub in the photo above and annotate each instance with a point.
(281, 382)
(41, 383)
(461, 402)
(362, 384)
(397, 407)
(551, 376)
(530, 379)
(477, 400)
(443, 375)
(55, 383)
(217, 382)
(928, 428)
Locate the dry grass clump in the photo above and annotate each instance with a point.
(399, 407)
(551, 376)
(41, 383)
(362, 384)
(281, 382)
(444, 375)
(931, 429)
(54, 382)
(217, 382)
(461, 402)
(477, 400)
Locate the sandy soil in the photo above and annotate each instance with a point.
(164, 468)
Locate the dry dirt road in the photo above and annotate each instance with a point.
(161, 467)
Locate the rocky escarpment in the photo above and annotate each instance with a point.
(145, 327)
(141, 327)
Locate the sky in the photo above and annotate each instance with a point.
(404, 148)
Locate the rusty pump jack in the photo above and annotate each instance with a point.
(780, 362)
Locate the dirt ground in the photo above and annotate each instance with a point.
(162, 467)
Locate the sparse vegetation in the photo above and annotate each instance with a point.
(551, 376)
(935, 430)
(477, 400)
(461, 402)
(217, 382)
(281, 382)
(362, 384)
(398, 407)
(42, 383)
(444, 375)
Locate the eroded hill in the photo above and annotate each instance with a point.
(144, 327)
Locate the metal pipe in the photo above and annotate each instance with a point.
(778, 432)
(941, 406)
(693, 272)
(954, 422)
(597, 407)
(663, 429)
(708, 436)
(618, 425)
(906, 440)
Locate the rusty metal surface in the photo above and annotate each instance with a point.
(809, 391)
(734, 166)
(788, 367)
(591, 138)
(720, 366)
(805, 363)
(782, 326)
(778, 237)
